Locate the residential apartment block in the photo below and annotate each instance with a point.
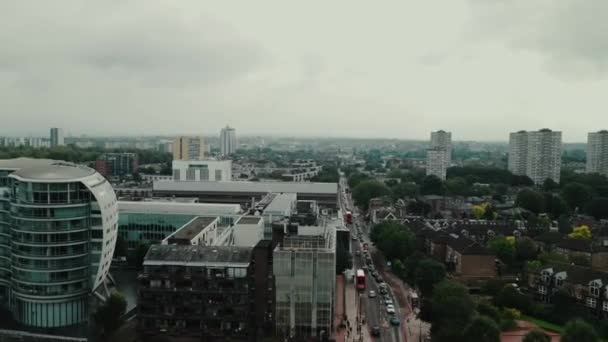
(536, 154)
(597, 152)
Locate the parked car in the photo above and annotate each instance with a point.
(395, 321)
(388, 301)
(376, 331)
(383, 291)
(372, 294)
(390, 309)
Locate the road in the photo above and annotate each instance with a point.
(373, 310)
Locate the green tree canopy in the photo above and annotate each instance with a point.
(432, 185)
(525, 249)
(489, 310)
(510, 297)
(537, 335)
(550, 185)
(576, 195)
(403, 190)
(555, 205)
(395, 240)
(108, 316)
(366, 190)
(457, 186)
(482, 329)
(597, 208)
(530, 200)
(428, 273)
(451, 309)
(579, 331)
(503, 248)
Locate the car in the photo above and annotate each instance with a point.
(390, 309)
(383, 291)
(388, 301)
(376, 331)
(374, 273)
(364, 267)
(395, 321)
(372, 294)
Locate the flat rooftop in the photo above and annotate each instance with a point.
(281, 202)
(249, 220)
(193, 228)
(56, 171)
(20, 163)
(171, 207)
(246, 187)
(196, 255)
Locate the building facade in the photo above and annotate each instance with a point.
(442, 140)
(597, 152)
(304, 268)
(117, 164)
(539, 153)
(228, 141)
(189, 148)
(57, 138)
(518, 152)
(202, 170)
(437, 163)
(62, 226)
(215, 293)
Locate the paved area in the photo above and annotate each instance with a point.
(523, 328)
(340, 331)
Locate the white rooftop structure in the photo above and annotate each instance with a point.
(179, 208)
(278, 187)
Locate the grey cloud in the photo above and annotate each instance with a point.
(569, 34)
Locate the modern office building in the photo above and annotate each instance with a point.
(539, 153)
(436, 162)
(57, 138)
(597, 152)
(212, 293)
(304, 268)
(518, 152)
(326, 194)
(189, 148)
(228, 141)
(202, 170)
(117, 164)
(58, 230)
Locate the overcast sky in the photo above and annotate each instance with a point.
(397, 69)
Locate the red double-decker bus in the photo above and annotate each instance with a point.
(349, 217)
(360, 279)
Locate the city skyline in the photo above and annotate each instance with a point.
(478, 69)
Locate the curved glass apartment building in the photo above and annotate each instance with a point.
(63, 226)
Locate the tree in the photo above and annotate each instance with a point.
(482, 329)
(140, 255)
(597, 208)
(563, 225)
(510, 297)
(403, 190)
(451, 308)
(395, 240)
(457, 186)
(479, 211)
(428, 273)
(488, 310)
(530, 200)
(355, 178)
(550, 185)
(576, 195)
(555, 205)
(367, 190)
(432, 185)
(537, 335)
(525, 249)
(579, 331)
(503, 248)
(108, 316)
(581, 232)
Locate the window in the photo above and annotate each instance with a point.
(218, 175)
(591, 302)
(605, 306)
(542, 289)
(594, 290)
(559, 282)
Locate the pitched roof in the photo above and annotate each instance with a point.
(578, 245)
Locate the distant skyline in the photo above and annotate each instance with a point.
(399, 69)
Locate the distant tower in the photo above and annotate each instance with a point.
(57, 137)
(227, 141)
(189, 148)
(536, 154)
(597, 152)
(439, 155)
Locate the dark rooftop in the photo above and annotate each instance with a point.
(193, 228)
(249, 220)
(197, 255)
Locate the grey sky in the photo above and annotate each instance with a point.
(398, 69)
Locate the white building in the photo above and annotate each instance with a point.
(597, 152)
(202, 170)
(228, 141)
(442, 140)
(539, 153)
(57, 137)
(518, 152)
(436, 163)
(189, 148)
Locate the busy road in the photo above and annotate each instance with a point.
(379, 312)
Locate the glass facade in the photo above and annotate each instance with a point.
(305, 286)
(136, 228)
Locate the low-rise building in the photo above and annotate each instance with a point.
(202, 170)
